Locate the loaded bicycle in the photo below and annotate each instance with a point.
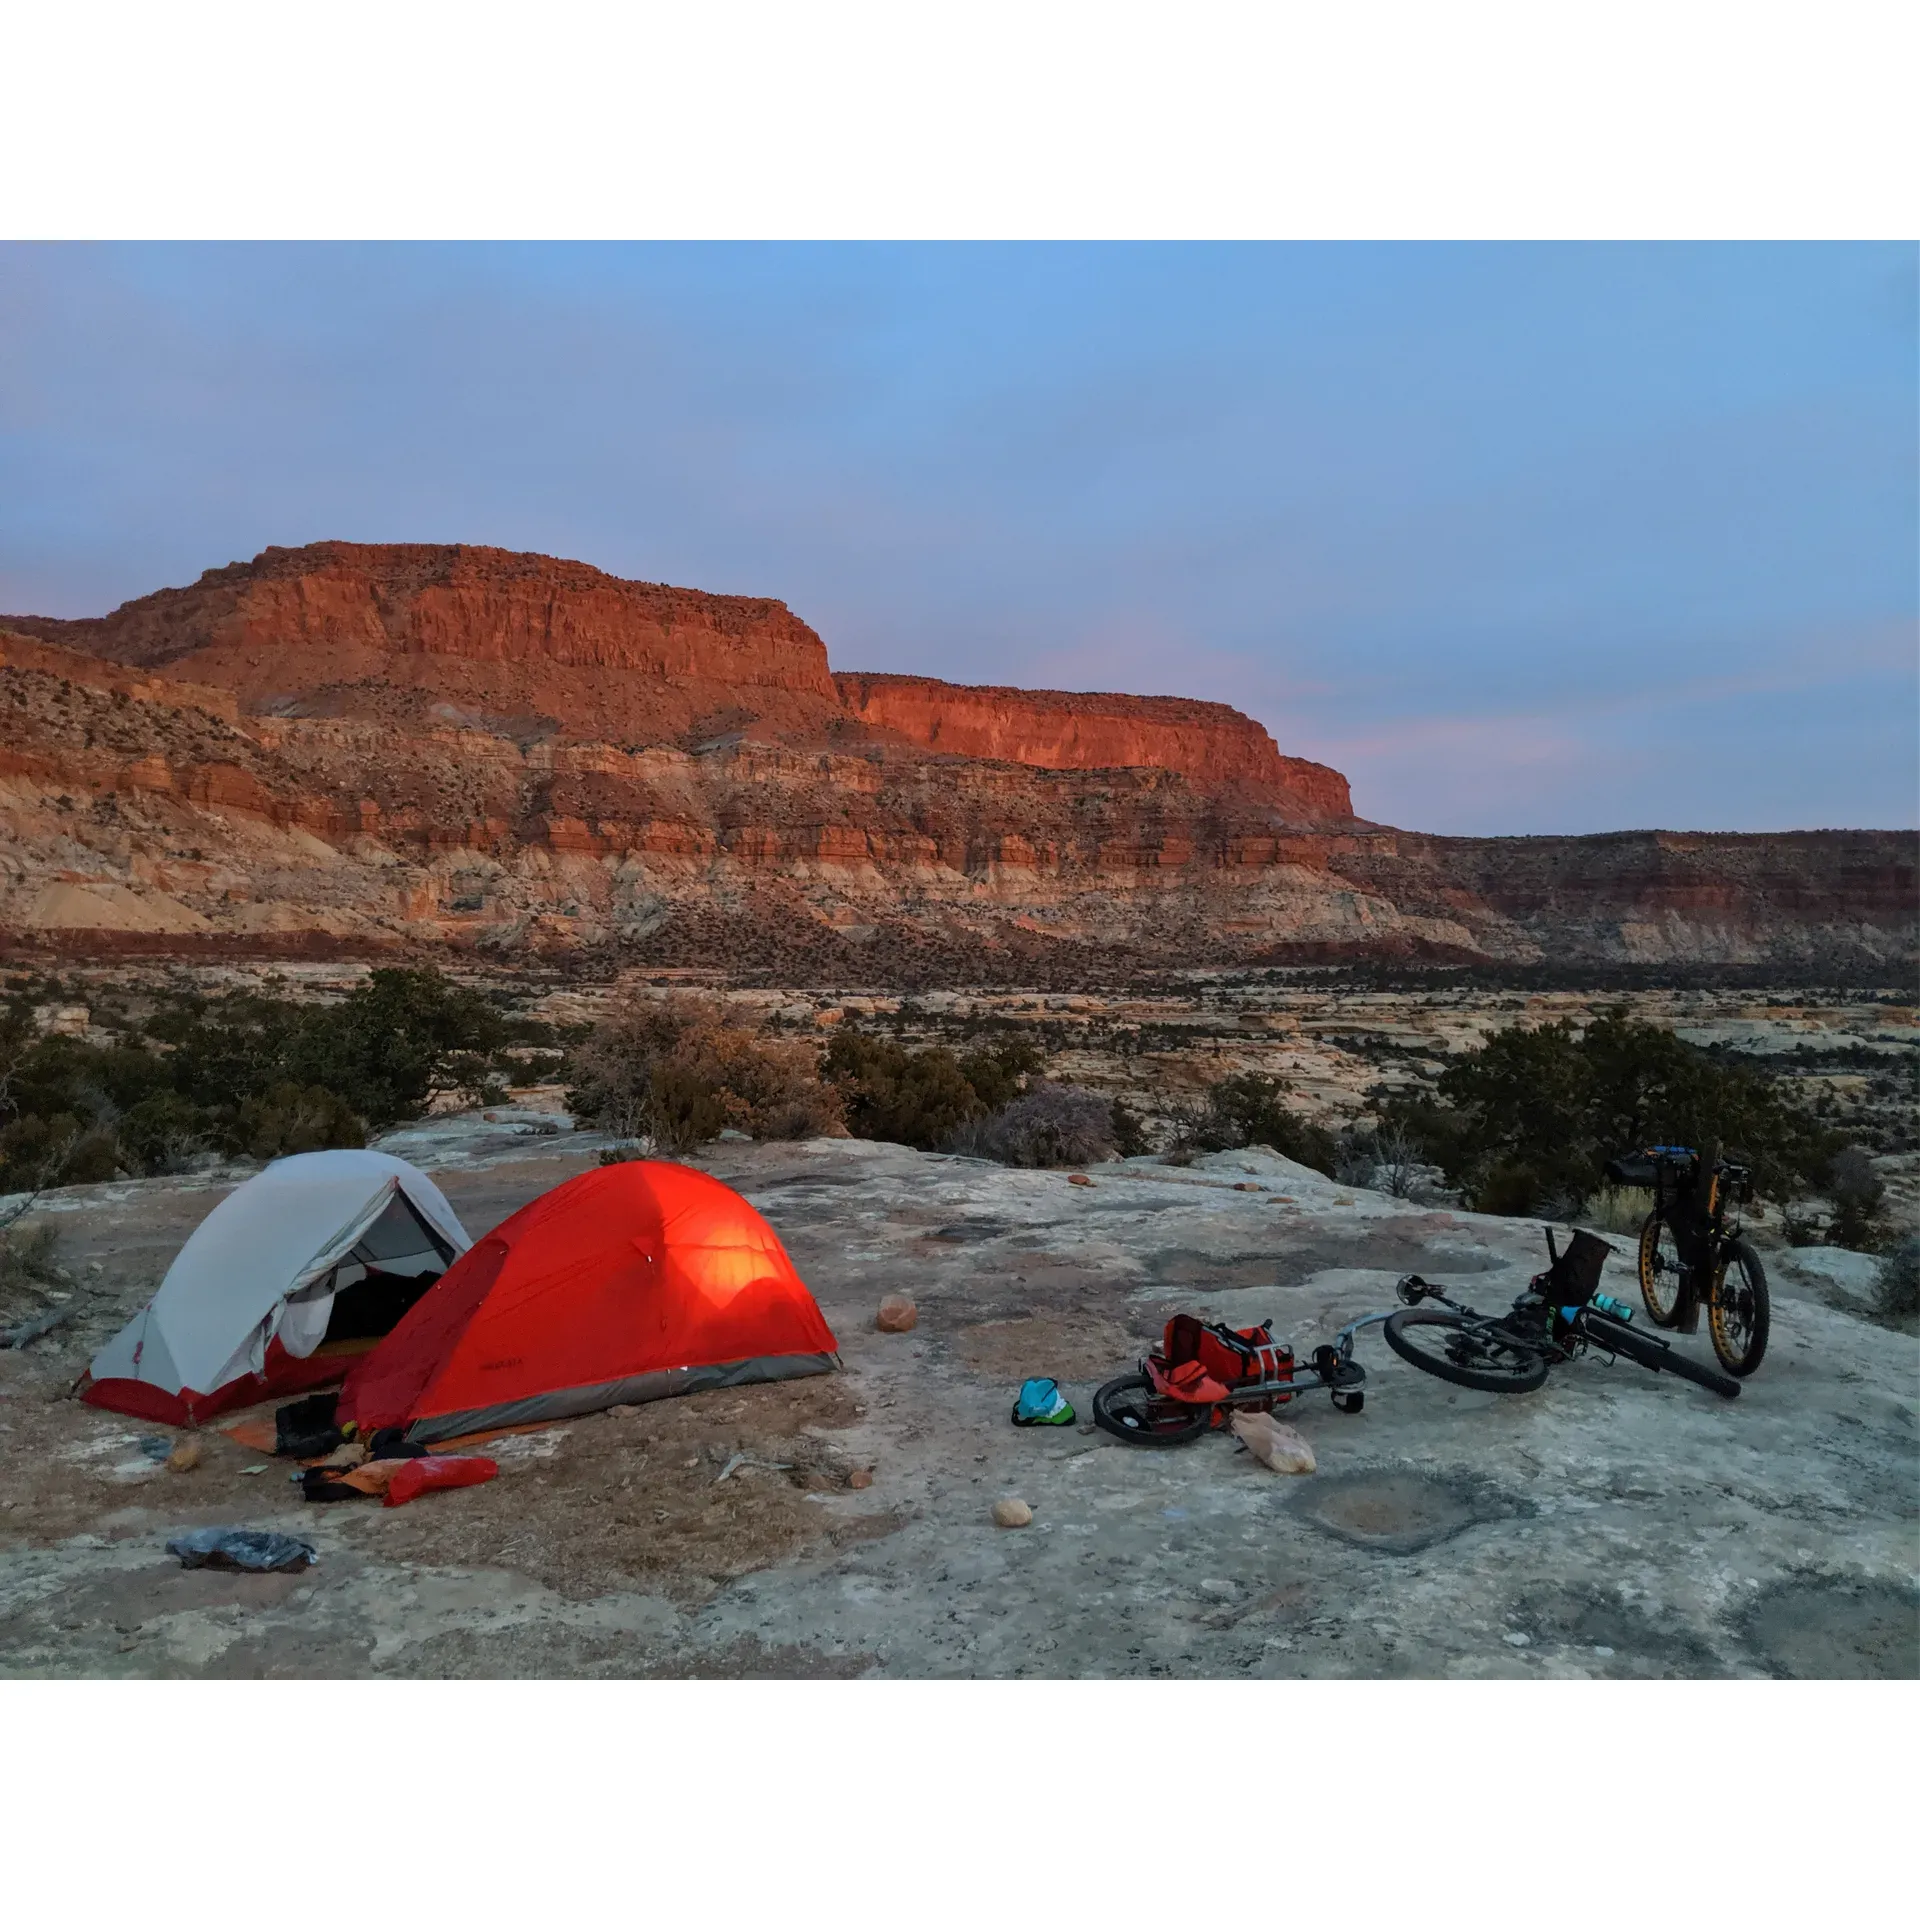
(1694, 1254)
(1561, 1316)
(1202, 1372)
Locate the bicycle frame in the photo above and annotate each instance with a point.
(1702, 1234)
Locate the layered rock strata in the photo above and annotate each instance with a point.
(394, 746)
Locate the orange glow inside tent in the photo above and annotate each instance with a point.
(627, 1283)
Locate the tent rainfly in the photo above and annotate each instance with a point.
(288, 1281)
(626, 1283)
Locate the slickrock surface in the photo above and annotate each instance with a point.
(1616, 1523)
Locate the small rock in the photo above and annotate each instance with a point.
(1343, 1203)
(624, 1411)
(1518, 1639)
(1225, 1587)
(1012, 1513)
(1245, 1186)
(897, 1314)
(859, 1479)
(185, 1454)
(815, 1482)
(1281, 1200)
(1603, 1653)
(1078, 1180)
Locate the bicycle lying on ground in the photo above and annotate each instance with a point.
(1559, 1317)
(1693, 1255)
(1200, 1373)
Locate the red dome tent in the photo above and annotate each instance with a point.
(631, 1282)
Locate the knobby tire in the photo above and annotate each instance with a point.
(1739, 1359)
(1173, 1424)
(1527, 1372)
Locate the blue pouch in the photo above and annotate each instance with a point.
(1041, 1404)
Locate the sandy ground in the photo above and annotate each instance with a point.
(1616, 1523)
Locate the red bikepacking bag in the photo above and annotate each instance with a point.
(1201, 1362)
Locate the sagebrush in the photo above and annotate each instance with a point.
(675, 1070)
(1047, 1126)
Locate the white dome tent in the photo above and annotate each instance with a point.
(286, 1282)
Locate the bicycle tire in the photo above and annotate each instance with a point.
(1667, 1313)
(1655, 1355)
(1727, 1319)
(1130, 1410)
(1530, 1372)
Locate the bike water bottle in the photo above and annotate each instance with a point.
(1601, 1303)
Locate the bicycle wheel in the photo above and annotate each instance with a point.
(1130, 1410)
(1655, 1355)
(1466, 1353)
(1737, 1311)
(1662, 1271)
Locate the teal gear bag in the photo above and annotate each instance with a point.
(1041, 1404)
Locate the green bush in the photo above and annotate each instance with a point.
(290, 1119)
(246, 1073)
(1247, 1110)
(1899, 1291)
(1047, 1126)
(676, 1070)
(1129, 1132)
(921, 1096)
(164, 1132)
(1859, 1194)
(63, 1150)
(1526, 1123)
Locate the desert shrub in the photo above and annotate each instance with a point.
(64, 1150)
(205, 1074)
(402, 1036)
(998, 1074)
(1129, 1132)
(1618, 1210)
(164, 1133)
(1526, 1123)
(1899, 1289)
(920, 1096)
(29, 1254)
(1246, 1110)
(290, 1119)
(395, 1042)
(1383, 1159)
(1858, 1195)
(675, 1071)
(1047, 1126)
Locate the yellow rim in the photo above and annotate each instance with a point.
(1720, 1322)
(1663, 1301)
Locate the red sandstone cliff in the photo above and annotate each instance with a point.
(390, 632)
(459, 635)
(455, 745)
(1208, 744)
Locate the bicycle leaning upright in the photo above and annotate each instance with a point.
(1693, 1255)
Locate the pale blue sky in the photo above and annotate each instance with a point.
(1522, 538)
